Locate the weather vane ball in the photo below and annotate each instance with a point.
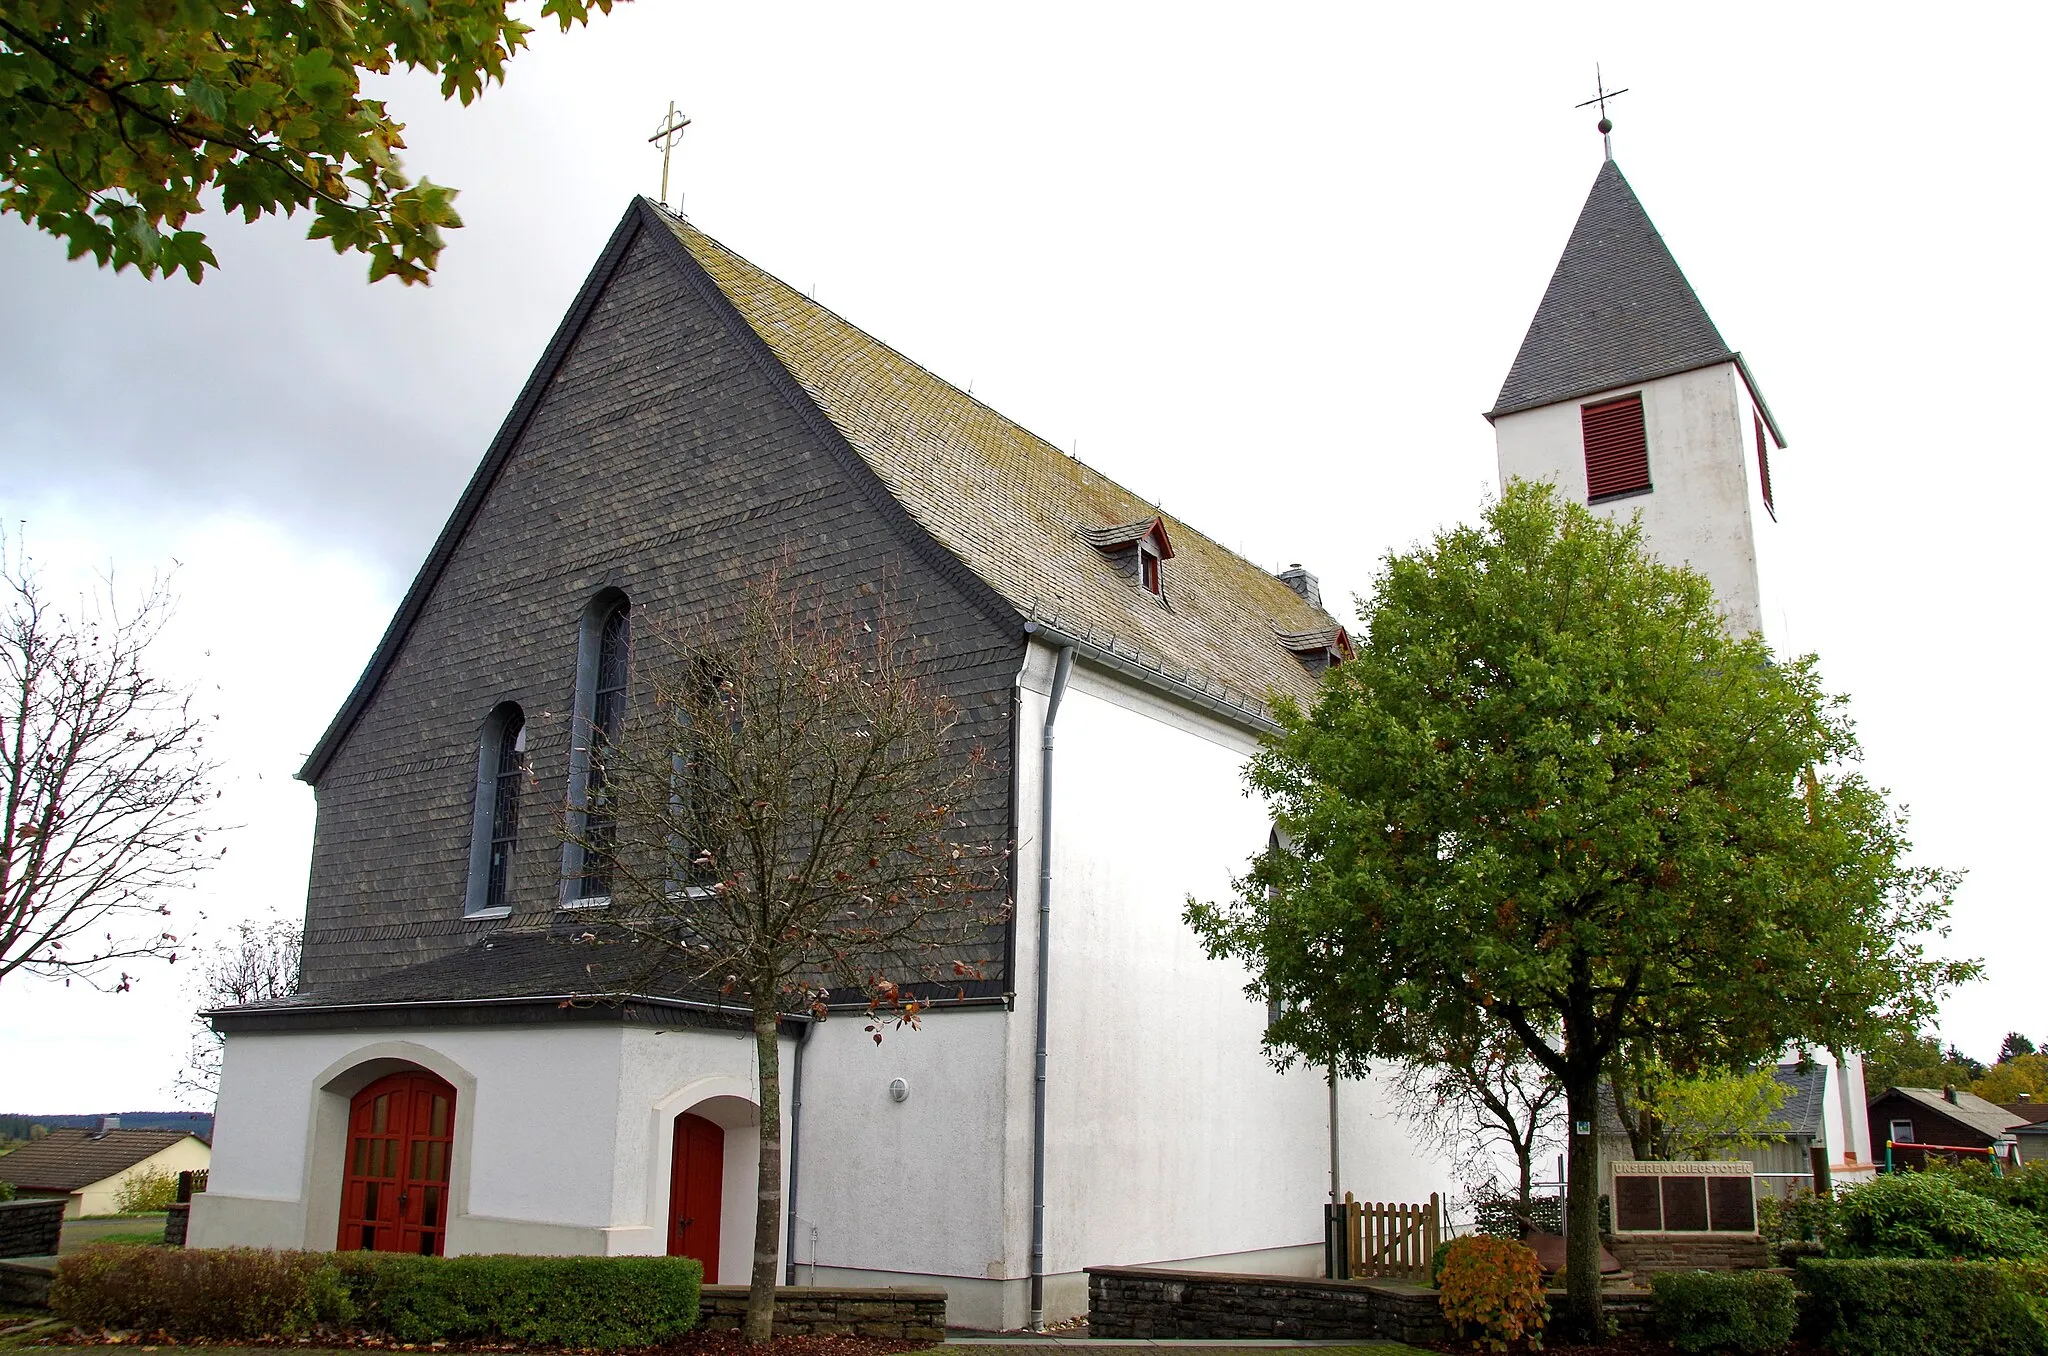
(1605, 126)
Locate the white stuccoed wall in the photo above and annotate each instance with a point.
(561, 1134)
(1705, 508)
(1172, 1139)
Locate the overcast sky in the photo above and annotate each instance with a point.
(1264, 264)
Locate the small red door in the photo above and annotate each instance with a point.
(696, 1183)
(394, 1194)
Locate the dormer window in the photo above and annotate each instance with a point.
(1138, 550)
(1323, 648)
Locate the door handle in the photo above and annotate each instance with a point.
(684, 1223)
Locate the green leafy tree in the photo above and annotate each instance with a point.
(1913, 1060)
(2013, 1046)
(2006, 1080)
(1708, 1115)
(118, 117)
(1552, 791)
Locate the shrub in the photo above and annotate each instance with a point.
(539, 1301)
(1501, 1215)
(146, 1191)
(1889, 1306)
(246, 1294)
(1723, 1310)
(217, 1293)
(1494, 1286)
(2024, 1188)
(6, 1191)
(1931, 1214)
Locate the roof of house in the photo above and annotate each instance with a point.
(2034, 1114)
(1986, 1118)
(1009, 507)
(1618, 311)
(66, 1160)
(1028, 519)
(1804, 1110)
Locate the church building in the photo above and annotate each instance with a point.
(459, 1075)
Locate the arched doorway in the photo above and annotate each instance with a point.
(696, 1186)
(394, 1194)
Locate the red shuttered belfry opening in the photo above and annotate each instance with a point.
(394, 1194)
(1617, 451)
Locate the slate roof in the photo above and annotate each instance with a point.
(66, 1160)
(509, 965)
(1986, 1117)
(1017, 511)
(1617, 311)
(1803, 1112)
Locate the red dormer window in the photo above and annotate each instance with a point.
(1138, 550)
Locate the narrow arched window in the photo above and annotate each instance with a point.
(601, 673)
(494, 836)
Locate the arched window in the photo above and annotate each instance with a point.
(494, 834)
(601, 669)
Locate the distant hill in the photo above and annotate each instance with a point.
(199, 1123)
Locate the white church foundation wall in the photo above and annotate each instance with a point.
(1172, 1139)
(561, 1134)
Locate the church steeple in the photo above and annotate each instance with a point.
(1624, 395)
(1617, 310)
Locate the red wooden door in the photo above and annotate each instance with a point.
(394, 1196)
(696, 1184)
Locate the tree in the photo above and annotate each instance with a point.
(1912, 1060)
(105, 786)
(261, 961)
(118, 117)
(2013, 1046)
(1479, 1096)
(783, 823)
(2005, 1081)
(1552, 791)
(1668, 1116)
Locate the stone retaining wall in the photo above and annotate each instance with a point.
(30, 1228)
(176, 1219)
(802, 1310)
(1140, 1303)
(1644, 1253)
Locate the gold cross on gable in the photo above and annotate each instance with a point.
(667, 135)
(1601, 94)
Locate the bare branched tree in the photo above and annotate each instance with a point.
(1481, 1095)
(784, 823)
(261, 960)
(105, 793)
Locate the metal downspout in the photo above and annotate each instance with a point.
(1052, 711)
(796, 1129)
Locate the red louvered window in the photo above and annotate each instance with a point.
(1617, 452)
(1763, 466)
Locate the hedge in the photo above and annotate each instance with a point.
(239, 1294)
(1698, 1311)
(1888, 1306)
(1931, 1215)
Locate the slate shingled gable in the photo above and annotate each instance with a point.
(1618, 312)
(655, 455)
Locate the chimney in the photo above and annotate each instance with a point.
(2026, 1097)
(106, 1123)
(1948, 1090)
(1303, 583)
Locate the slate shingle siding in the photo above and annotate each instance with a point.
(662, 461)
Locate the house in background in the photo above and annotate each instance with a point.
(2032, 1134)
(460, 1073)
(1946, 1116)
(88, 1168)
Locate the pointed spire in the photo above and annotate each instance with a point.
(1617, 311)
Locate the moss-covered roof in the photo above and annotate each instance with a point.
(1018, 511)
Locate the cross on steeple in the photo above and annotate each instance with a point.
(1600, 96)
(668, 134)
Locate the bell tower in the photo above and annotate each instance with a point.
(1625, 397)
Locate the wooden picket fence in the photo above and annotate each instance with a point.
(1393, 1240)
